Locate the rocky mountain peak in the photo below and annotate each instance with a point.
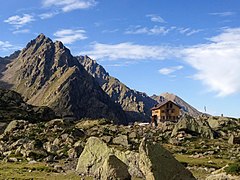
(45, 73)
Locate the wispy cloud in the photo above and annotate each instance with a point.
(22, 31)
(188, 31)
(156, 30)
(223, 14)
(110, 31)
(161, 30)
(48, 15)
(170, 70)
(156, 18)
(69, 5)
(7, 46)
(19, 21)
(128, 51)
(68, 36)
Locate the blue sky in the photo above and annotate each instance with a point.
(190, 48)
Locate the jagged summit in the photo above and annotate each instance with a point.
(45, 73)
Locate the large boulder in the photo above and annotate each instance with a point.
(96, 152)
(193, 126)
(114, 169)
(152, 162)
(156, 163)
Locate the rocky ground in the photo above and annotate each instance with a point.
(202, 145)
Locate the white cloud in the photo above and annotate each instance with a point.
(217, 62)
(22, 31)
(170, 70)
(68, 36)
(7, 46)
(223, 14)
(156, 18)
(128, 51)
(156, 30)
(19, 21)
(69, 5)
(48, 15)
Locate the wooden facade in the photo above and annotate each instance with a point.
(165, 111)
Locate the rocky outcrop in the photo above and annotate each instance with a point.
(155, 162)
(218, 123)
(186, 108)
(196, 127)
(136, 104)
(46, 74)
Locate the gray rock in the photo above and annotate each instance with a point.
(15, 124)
(157, 163)
(106, 139)
(197, 127)
(234, 140)
(96, 152)
(49, 147)
(114, 169)
(132, 135)
(121, 140)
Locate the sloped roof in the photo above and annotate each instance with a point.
(163, 103)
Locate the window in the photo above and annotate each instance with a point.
(171, 105)
(173, 110)
(163, 111)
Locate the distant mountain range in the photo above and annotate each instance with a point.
(46, 74)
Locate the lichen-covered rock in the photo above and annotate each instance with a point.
(196, 127)
(114, 169)
(156, 163)
(121, 140)
(96, 151)
(93, 156)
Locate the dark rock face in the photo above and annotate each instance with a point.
(186, 108)
(12, 106)
(136, 104)
(46, 74)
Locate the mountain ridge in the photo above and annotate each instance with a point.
(137, 105)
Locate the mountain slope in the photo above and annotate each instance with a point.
(45, 73)
(186, 108)
(136, 104)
